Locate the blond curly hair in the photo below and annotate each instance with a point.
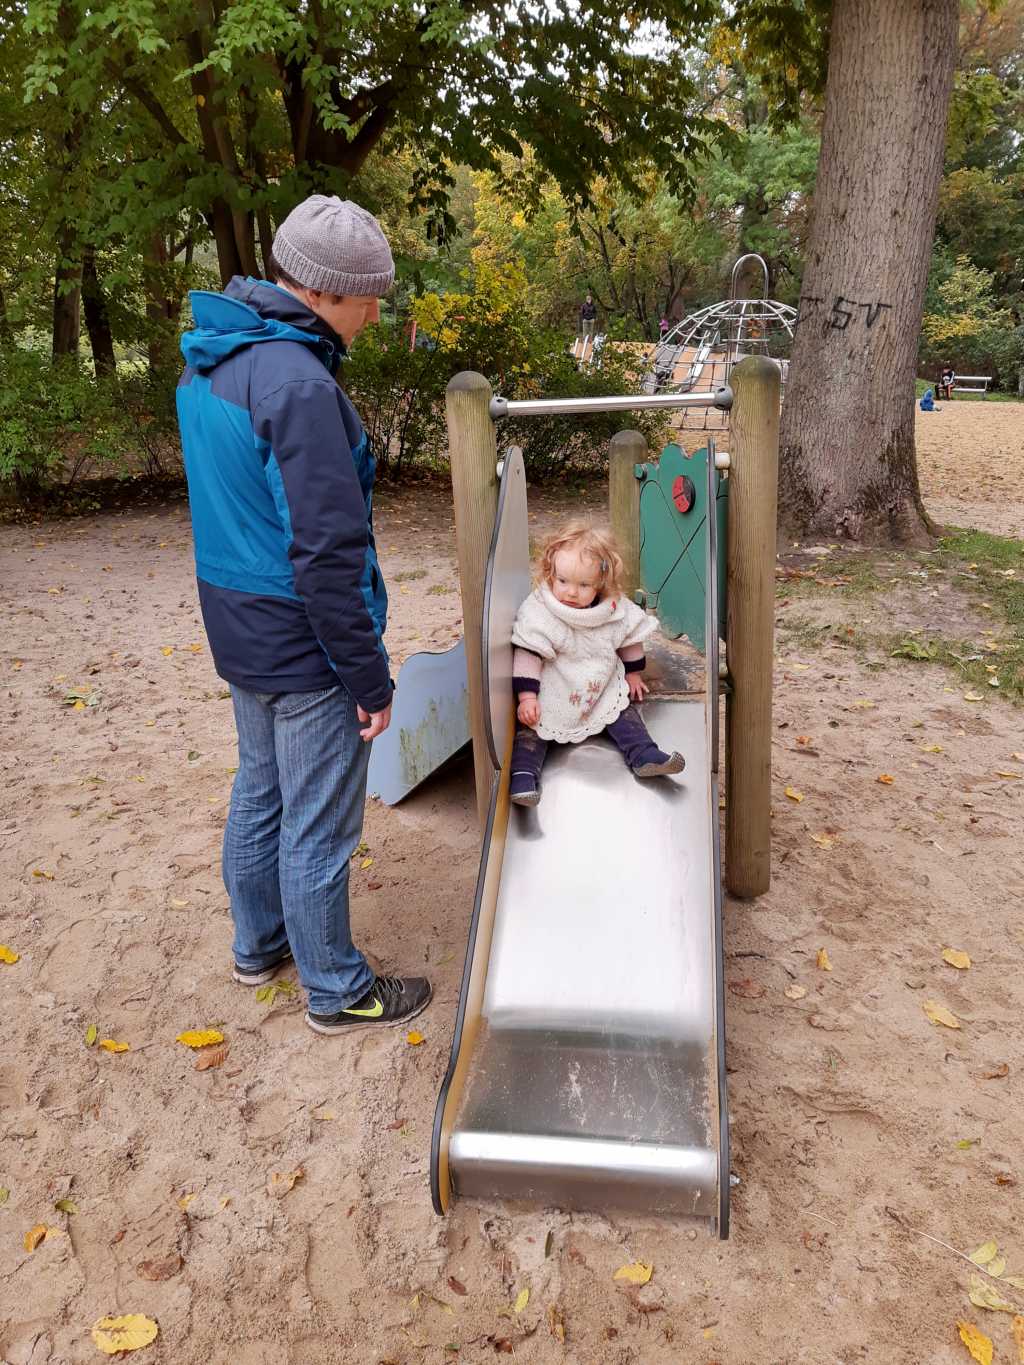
(594, 543)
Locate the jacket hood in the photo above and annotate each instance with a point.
(250, 312)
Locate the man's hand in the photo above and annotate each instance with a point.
(638, 689)
(378, 722)
(528, 710)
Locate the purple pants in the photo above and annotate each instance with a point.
(628, 733)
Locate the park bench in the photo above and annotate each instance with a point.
(972, 383)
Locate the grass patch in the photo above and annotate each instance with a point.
(408, 575)
(439, 589)
(988, 568)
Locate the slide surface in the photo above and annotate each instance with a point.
(587, 1069)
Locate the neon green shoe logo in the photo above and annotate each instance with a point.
(374, 1013)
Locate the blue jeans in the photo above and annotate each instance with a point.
(295, 819)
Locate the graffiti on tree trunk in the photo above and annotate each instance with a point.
(840, 315)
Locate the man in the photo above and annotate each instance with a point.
(588, 318)
(280, 481)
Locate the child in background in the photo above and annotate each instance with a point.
(578, 661)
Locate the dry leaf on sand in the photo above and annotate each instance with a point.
(522, 1299)
(34, 1236)
(823, 960)
(109, 1045)
(983, 1254)
(161, 1268)
(281, 1182)
(638, 1272)
(8, 955)
(938, 1014)
(794, 795)
(211, 1057)
(126, 1333)
(956, 957)
(984, 1295)
(1017, 1328)
(795, 992)
(976, 1342)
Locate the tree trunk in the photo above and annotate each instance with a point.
(6, 330)
(67, 295)
(97, 319)
(163, 307)
(848, 465)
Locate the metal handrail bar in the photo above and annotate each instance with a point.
(582, 407)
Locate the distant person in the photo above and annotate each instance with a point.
(588, 317)
(663, 327)
(280, 480)
(946, 381)
(578, 661)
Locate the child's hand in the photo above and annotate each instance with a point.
(528, 710)
(637, 687)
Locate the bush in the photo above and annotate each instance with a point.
(400, 393)
(58, 423)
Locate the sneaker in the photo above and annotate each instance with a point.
(663, 767)
(524, 789)
(259, 976)
(390, 1000)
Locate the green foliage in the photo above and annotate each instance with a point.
(485, 327)
(969, 329)
(58, 423)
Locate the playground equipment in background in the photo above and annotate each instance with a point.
(701, 350)
(971, 383)
(587, 1067)
(586, 351)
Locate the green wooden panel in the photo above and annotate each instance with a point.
(673, 542)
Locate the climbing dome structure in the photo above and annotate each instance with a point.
(699, 352)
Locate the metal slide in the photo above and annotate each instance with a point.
(587, 1068)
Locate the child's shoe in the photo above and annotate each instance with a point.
(662, 765)
(524, 789)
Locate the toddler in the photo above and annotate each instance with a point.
(578, 661)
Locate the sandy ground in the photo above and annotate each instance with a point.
(847, 1104)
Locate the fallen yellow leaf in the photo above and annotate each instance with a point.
(938, 1014)
(91, 1034)
(34, 1236)
(823, 840)
(79, 705)
(983, 1295)
(41, 872)
(167, 651)
(794, 795)
(200, 1037)
(1015, 1280)
(8, 954)
(795, 992)
(983, 1254)
(414, 1039)
(367, 862)
(933, 748)
(886, 779)
(522, 1299)
(973, 696)
(1003, 772)
(638, 1272)
(178, 904)
(997, 1267)
(108, 1045)
(976, 1342)
(1017, 1328)
(822, 960)
(865, 703)
(127, 1333)
(281, 1182)
(956, 958)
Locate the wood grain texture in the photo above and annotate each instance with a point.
(627, 450)
(750, 624)
(472, 449)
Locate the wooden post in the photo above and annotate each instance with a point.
(750, 597)
(473, 452)
(628, 449)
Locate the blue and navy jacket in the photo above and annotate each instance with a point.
(280, 480)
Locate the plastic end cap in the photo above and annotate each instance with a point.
(723, 398)
(498, 407)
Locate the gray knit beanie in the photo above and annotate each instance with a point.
(336, 247)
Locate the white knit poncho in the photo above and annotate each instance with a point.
(583, 680)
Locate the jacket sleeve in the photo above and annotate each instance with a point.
(326, 515)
